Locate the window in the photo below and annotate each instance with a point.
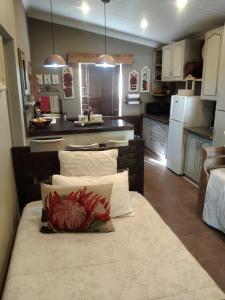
(100, 89)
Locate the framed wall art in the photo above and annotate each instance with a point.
(47, 79)
(39, 78)
(2, 67)
(145, 79)
(24, 79)
(133, 84)
(55, 79)
(68, 86)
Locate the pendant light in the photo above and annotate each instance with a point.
(105, 60)
(54, 60)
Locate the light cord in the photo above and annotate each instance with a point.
(52, 29)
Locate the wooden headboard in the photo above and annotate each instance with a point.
(32, 168)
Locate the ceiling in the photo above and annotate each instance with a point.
(166, 22)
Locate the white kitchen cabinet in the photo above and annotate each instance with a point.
(178, 60)
(166, 62)
(211, 66)
(193, 160)
(219, 127)
(220, 105)
(155, 135)
(190, 165)
(175, 56)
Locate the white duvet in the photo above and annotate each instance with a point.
(141, 260)
(214, 207)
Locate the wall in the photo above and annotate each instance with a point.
(74, 40)
(11, 124)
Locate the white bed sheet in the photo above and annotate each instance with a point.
(141, 260)
(214, 206)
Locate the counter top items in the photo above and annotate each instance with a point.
(89, 119)
(63, 126)
(201, 131)
(159, 118)
(40, 122)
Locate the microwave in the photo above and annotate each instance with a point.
(158, 108)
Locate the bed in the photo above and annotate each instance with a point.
(212, 187)
(141, 260)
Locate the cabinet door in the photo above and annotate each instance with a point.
(190, 163)
(178, 60)
(219, 125)
(212, 57)
(221, 88)
(202, 143)
(166, 63)
(146, 132)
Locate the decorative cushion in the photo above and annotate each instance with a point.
(120, 197)
(76, 209)
(88, 163)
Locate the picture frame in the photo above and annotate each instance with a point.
(39, 78)
(47, 79)
(68, 83)
(25, 87)
(133, 83)
(2, 67)
(55, 79)
(145, 79)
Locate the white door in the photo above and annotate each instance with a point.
(175, 147)
(219, 125)
(178, 108)
(166, 63)
(212, 56)
(178, 60)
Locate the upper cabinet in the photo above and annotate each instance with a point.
(166, 63)
(221, 86)
(211, 67)
(175, 56)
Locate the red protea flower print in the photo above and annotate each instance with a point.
(77, 211)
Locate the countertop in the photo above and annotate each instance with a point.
(159, 118)
(63, 126)
(200, 131)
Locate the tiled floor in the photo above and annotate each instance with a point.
(175, 199)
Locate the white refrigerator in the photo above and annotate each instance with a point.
(186, 111)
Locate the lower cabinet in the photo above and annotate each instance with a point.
(195, 144)
(155, 135)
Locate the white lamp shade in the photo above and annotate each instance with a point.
(105, 60)
(54, 61)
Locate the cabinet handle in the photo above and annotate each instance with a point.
(153, 139)
(216, 91)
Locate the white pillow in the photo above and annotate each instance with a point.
(120, 198)
(88, 163)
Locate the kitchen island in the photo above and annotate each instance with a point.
(77, 135)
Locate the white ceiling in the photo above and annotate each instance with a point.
(166, 22)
